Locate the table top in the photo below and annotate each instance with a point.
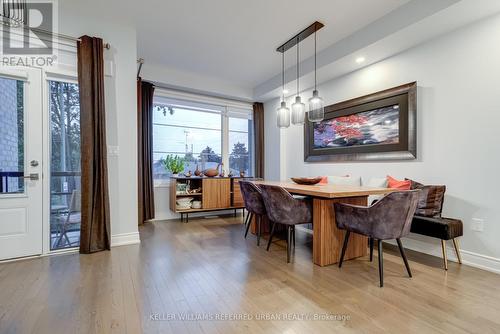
(194, 177)
(327, 190)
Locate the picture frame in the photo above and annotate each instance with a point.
(378, 126)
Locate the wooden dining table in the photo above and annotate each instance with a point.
(327, 238)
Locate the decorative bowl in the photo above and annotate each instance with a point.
(184, 201)
(212, 172)
(306, 180)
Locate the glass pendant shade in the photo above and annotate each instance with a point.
(298, 112)
(283, 116)
(316, 108)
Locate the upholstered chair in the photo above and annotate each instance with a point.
(254, 204)
(389, 218)
(283, 208)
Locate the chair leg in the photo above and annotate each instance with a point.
(344, 247)
(249, 222)
(288, 242)
(259, 219)
(245, 220)
(445, 256)
(403, 255)
(293, 235)
(371, 249)
(457, 249)
(380, 262)
(271, 236)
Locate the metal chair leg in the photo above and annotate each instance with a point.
(445, 256)
(380, 262)
(403, 255)
(344, 247)
(288, 242)
(259, 219)
(371, 249)
(457, 249)
(246, 220)
(271, 236)
(249, 222)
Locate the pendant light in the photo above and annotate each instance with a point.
(316, 105)
(298, 108)
(283, 117)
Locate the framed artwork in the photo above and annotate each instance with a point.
(379, 126)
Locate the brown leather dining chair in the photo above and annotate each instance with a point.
(254, 204)
(389, 218)
(283, 208)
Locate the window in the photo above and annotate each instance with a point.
(11, 136)
(198, 133)
(241, 145)
(65, 172)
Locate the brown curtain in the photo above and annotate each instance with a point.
(145, 92)
(95, 229)
(258, 122)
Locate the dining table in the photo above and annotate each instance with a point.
(327, 238)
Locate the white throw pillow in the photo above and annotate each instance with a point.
(345, 180)
(376, 182)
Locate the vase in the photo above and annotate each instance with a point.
(197, 172)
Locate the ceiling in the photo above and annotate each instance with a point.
(227, 47)
(236, 40)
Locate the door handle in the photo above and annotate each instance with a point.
(32, 177)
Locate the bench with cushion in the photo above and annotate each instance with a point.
(429, 222)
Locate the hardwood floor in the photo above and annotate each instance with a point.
(206, 268)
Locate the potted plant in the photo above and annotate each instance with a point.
(174, 164)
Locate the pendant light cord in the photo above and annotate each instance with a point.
(283, 75)
(298, 42)
(315, 60)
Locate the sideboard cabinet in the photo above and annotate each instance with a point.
(215, 193)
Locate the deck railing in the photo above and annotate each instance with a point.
(4, 180)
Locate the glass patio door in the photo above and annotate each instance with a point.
(65, 174)
(21, 147)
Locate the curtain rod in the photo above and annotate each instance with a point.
(140, 61)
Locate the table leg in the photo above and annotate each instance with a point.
(328, 239)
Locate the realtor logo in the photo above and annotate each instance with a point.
(28, 27)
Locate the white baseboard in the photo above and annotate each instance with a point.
(125, 239)
(433, 247)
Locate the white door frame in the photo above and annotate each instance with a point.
(45, 161)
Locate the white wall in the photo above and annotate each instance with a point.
(78, 18)
(458, 117)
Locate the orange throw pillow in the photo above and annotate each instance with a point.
(398, 184)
